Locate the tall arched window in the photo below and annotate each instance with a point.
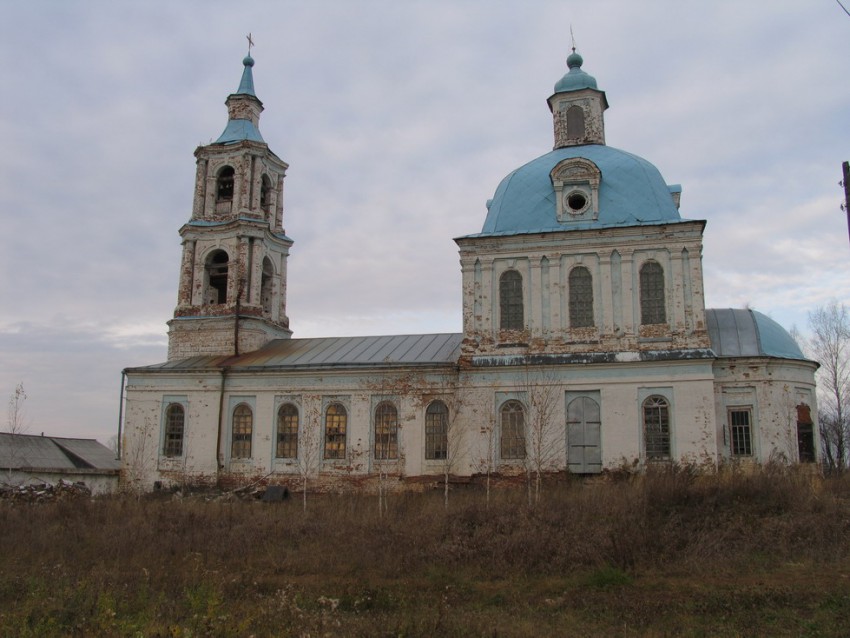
(656, 428)
(437, 431)
(175, 419)
(510, 301)
(243, 429)
(575, 122)
(266, 285)
(287, 432)
(652, 308)
(512, 430)
(336, 424)
(386, 431)
(265, 194)
(581, 298)
(224, 185)
(216, 275)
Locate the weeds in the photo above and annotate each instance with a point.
(637, 550)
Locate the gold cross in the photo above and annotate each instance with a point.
(250, 43)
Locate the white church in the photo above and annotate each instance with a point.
(586, 343)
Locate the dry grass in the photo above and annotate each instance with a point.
(673, 552)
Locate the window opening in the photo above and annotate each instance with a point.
(265, 194)
(287, 432)
(581, 298)
(805, 434)
(652, 308)
(512, 434)
(217, 277)
(243, 427)
(510, 300)
(386, 431)
(336, 422)
(436, 431)
(740, 432)
(224, 190)
(266, 285)
(656, 428)
(175, 418)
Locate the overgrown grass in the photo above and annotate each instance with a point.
(672, 552)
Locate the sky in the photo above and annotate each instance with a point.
(398, 120)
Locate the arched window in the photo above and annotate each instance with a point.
(336, 423)
(224, 185)
(437, 431)
(265, 194)
(287, 432)
(510, 300)
(175, 419)
(243, 428)
(216, 290)
(656, 428)
(652, 308)
(266, 285)
(581, 298)
(386, 431)
(512, 431)
(575, 122)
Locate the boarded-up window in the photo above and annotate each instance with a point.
(652, 309)
(575, 122)
(656, 428)
(581, 298)
(243, 428)
(336, 423)
(510, 300)
(512, 431)
(436, 431)
(740, 431)
(287, 432)
(175, 418)
(386, 431)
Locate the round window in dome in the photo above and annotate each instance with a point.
(577, 202)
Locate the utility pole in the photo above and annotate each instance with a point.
(845, 167)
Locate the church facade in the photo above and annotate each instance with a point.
(586, 343)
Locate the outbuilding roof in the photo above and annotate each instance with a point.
(27, 452)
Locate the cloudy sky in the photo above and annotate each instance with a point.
(398, 120)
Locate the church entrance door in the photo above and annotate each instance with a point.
(584, 441)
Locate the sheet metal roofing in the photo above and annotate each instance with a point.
(631, 192)
(575, 79)
(24, 451)
(329, 352)
(749, 333)
(241, 129)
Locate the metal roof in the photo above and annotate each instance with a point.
(27, 451)
(748, 333)
(331, 352)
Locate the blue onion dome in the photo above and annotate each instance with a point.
(248, 61)
(575, 79)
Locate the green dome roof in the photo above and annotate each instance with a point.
(575, 79)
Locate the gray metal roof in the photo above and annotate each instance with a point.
(27, 451)
(736, 332)
(328, 352)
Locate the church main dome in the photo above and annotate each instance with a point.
(582, 183)
(631, 192)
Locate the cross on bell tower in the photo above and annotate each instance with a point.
(232, 293)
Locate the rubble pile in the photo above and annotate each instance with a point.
(45, 492)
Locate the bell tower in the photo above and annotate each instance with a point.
(232, 293)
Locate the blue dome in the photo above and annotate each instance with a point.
(748, 333)
(631, 192)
